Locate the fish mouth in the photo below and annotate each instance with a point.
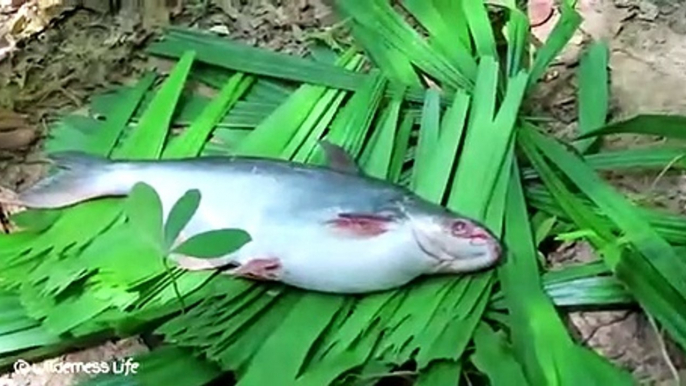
(493, 246)
(435, 250)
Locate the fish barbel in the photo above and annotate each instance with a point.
(328, 229)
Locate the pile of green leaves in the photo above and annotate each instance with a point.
(99, 268)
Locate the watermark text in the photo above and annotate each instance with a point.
(121, 367)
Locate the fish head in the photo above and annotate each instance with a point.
(454, 243)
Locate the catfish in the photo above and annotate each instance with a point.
(321, 228)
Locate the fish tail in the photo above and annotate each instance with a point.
(78, 177)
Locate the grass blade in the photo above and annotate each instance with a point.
(593, 92)
(670, 126)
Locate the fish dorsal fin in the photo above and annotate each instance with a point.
(338, 159)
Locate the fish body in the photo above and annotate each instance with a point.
(311, 227)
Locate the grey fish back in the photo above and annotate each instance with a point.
(300, 185)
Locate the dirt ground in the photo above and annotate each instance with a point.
(647, 57)
(86, 52)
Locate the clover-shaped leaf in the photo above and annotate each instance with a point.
(180, 215)
(214, 243)
(144, 211)
(143, 208)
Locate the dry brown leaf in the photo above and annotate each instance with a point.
(229, 7)
(10, 120)
(9, 206)
(17, 139)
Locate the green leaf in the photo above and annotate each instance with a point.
(648, 158)
(400, 147)
(541, 342)
(149, 138)
(17, 330)
(378, 15)
(75, 310)
(544, 228)
(120, 114)
(641, 235)
(165, 365)
(593, 91)
(428, 137)
(656, 297)
(350, 128)
(670, 226)
(444, 21)
(180, 214)
(298, 331)
(214, 243)
(599, 291)
(240, 57)
(655, 282)
(663, 125)
(441, 373)
(493, 357)
(517, 33)
(191, 141)
(441, 158)
(326, 372)
(278, 130)
(487, 142)
(309, 133)
(393, 62)
(381, 149)
(36, 220)
(480, 27)
(143, 208)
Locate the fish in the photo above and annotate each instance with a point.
(326, 228)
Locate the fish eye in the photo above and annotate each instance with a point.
(459, 227)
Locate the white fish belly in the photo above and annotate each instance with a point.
(224, 203)
(317, 258)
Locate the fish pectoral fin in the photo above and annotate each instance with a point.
(339, 159)
(266, 269)
(361, 225)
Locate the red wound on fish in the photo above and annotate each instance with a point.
(361, 224)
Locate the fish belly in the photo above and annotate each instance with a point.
(315, 258)
(312, 255)
(226, 200)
